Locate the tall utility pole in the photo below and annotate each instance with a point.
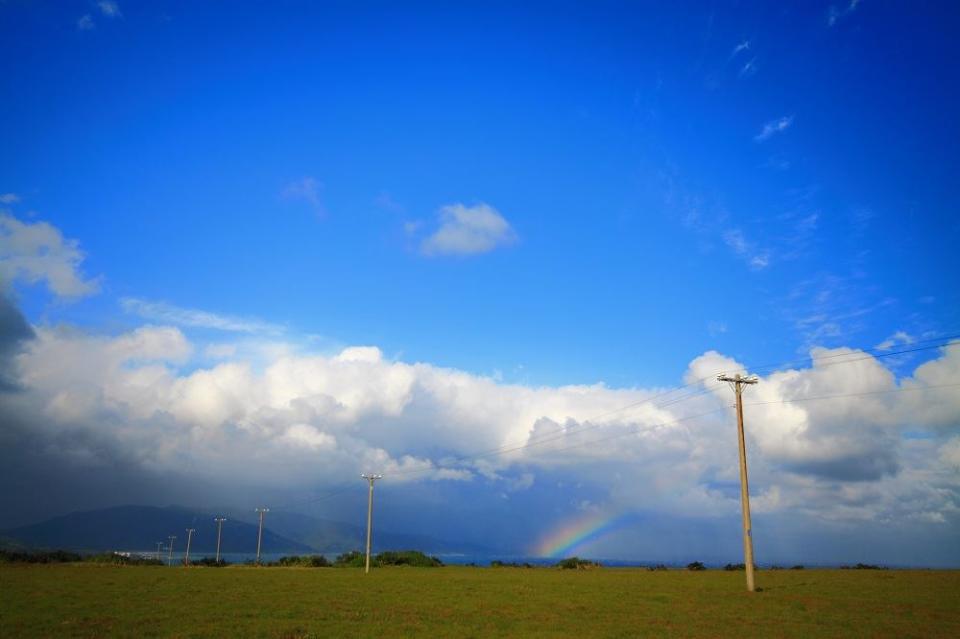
(186, 557)
(370, 478)
(737, 382)
(170, 550)
(219, 521)
(260, 533)
(159, 545)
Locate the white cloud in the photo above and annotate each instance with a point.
(85, 23)
(329, 416)
(835, 13)
(468, 230)
(38, 252)
(9, 198)
(900, 337)
(749, 68)
(109, 8)
(743, 46)
(194, 318)
(307, 190)
(757, 259)
(773, 127)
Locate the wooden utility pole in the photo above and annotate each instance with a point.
(159, 545)
(370, 479)
(737, 382)
(170, 549)
(186, 557)
(260, 532)
(219, 521)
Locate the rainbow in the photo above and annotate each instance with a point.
(575, 533)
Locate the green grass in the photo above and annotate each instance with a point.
(82, 600)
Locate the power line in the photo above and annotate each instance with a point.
(879, 392)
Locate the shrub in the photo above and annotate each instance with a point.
(696, 565)
(735, 567)
(575, 563)
(209, 562)
(657, 567)
(356, 559)
(797, 567)
(38, 556)
(353, 559)
(122, 560)
(860, 566)
(306, 561)
(496, 563)
(407, 558)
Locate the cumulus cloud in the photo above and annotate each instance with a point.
(194, 318)
(774, 127)
(829, 440)
(38, 252)
(468, 230)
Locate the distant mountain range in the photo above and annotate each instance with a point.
(141, 527)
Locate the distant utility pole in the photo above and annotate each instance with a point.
(159, 545)
(370, 478)
(260, 533)
(170, 550)
(737, 382)
(186, 557)
(219, 521)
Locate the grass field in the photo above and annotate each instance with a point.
(83, 600)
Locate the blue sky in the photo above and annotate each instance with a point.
(541, 196)
(619, 142)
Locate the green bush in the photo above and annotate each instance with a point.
(696, 565)
(306, 561)
(38, 556)
(575, 563)
(496, 563)
(657, 567)
(121, 560)
(352, 559)
(356, 559)
(735, 567)
(407, 558)
(209, 562)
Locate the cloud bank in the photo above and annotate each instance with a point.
(834, 442)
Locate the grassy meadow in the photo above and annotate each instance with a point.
(84, 600)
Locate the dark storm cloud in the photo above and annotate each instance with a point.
(14, 331)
